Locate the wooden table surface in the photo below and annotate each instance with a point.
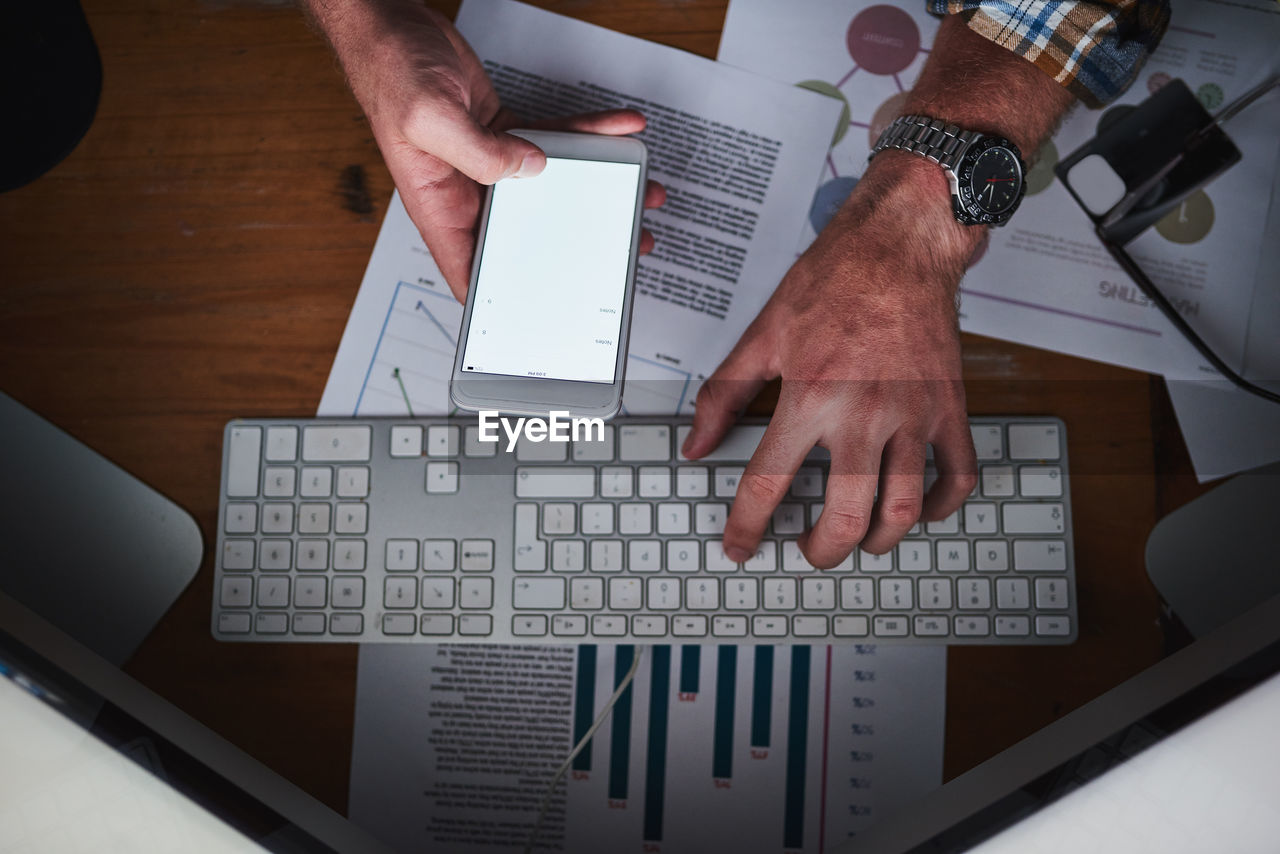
(195, 259)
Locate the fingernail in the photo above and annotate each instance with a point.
(532, 165)
(737, 555)
(690, 442)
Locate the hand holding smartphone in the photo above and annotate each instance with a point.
(548, 310)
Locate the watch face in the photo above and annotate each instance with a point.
(996, 180)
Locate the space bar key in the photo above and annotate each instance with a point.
(555, 482)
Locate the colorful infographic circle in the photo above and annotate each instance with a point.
(1210, 95)
(1040, 174)
(824, 88)
(828, 199)
(884, 115)
(1190, 221)
(883, 39)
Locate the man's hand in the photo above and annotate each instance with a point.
(862, 331)
(438, 121)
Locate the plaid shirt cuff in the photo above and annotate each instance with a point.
(1095, 48)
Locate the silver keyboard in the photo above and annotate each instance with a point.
(415, 531)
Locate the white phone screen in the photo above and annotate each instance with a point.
(553, 273)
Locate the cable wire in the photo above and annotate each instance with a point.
(582, 743)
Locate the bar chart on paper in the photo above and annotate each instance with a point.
(786, 758)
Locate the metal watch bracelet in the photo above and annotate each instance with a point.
(942, 143)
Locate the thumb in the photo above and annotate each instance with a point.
(723, 397)
(482, 154)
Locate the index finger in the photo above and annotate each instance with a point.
(764, 482)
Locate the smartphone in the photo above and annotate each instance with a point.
(548, 312)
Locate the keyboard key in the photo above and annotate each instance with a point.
(586, 594)
(779, 594)
(400, 593)
(559, 519)
(997, 481)
(935, 594)
(1034, 519)
(953, 556)
(644, 556)
(682, 555)
(282, 445)
(279, 481)
(569, 625)
(539, 593)
(528, 451)
(654, 482)
(988, 441)
(273, 592)
(473, 447)
(648, 626)
(973, 594)
(442, 477)
(436, 624)
(332, 444)
(625, 594)
(809, 626)
(817, 594)
(857, 594)
(275, 555)
(716, 559)
(663, 594)
(917, 558)
(1051, 594)
(895, 594)
(702, 594)
(849, 626)
(606, 555)
(278, 518)
(348, 555)
(726, 481)
(807, 483)
(764, 626)
(673, 519)
(406, 440)
(594, 448)
(788, 519)
(765, 559)
(237, 555)
(473, 592)
(729, 626)
(311, 593)
(1053, 625)
(616, 482)
(968, 627)
(1012, 626)
(1040, 482)
(313, 555)
(475, 624)
(314, 519)
(530, 552)
(644, 443)
(554, 482)
(308, 624)
(353, 482)
(351, 519)
(689, 626)
(399, 624)
(442, 441)
(993, 555)
(1013, 594)
(979, 518)
(738, 444)
(244, 444)
(709, 519)
(1039, 555)
(346, 624)
(236, 593)
(317, 482)
(741, 594)
(568, 556)
(271, 624)
(693, 482)
(438, 555)
(437, 593)
(234, 624)
(931, 627)
(348, 593)
(1034, 442)
(608, 625)
(240, 518)
(402, 555)
(913, 556)
(889, 627)
(949, 525)
(597, 520)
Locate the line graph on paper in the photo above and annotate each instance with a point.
(413, 359)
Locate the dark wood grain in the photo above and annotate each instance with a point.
(195, 259)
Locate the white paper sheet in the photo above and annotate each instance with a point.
(1044, 280)
(786, 749)
(874, 723)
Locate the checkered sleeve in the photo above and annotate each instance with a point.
(1093, 47)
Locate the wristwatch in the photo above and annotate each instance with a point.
(985, 172)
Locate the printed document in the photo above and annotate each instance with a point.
(716, 746)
